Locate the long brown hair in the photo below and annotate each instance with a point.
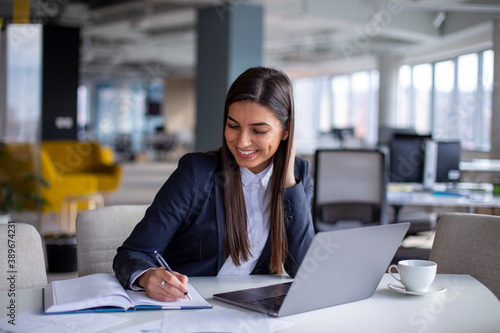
(270, 88)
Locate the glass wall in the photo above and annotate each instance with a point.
(120, 115)
(20, 173)
(24, 73)
(126, 115)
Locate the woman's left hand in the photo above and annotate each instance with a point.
(290, 174)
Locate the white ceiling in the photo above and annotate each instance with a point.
(158, 37)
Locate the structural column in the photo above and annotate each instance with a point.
(180, 109)
(388, 69)
(229, 42)
(60, 66)
(495, 115)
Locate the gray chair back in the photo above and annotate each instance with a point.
(469, 244)
(349, 189)
(100, 232)
(21, 247)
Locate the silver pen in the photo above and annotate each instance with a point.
(164, 264)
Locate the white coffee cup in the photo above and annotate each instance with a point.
(416, 275)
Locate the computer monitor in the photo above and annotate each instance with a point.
(386, 133)
(407, 154)
(448, 161)
(342, 133)
(153, 108)
(442, 162)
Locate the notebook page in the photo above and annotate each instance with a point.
(89, 291)
(139, 298)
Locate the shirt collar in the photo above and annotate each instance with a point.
(247, 176)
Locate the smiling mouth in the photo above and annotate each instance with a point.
(247, 153)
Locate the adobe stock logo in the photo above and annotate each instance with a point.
(320, 253)
(363, 35)
(425, 316)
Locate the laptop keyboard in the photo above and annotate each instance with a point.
(272, 303)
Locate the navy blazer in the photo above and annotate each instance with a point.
(185, 223)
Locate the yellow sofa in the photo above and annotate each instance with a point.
(69, 167)
(71, 157)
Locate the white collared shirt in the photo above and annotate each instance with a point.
(257, 193)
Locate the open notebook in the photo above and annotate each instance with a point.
(102, 292)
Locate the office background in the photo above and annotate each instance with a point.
(148, 78)
(356, 65)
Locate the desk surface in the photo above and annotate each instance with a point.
(440, 200)
(481, 165)
(466, 306)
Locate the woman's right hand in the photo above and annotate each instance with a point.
(174, 287)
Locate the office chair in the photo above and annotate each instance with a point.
(100, 232)
(27, 255)
(468, 244)
(349, 189)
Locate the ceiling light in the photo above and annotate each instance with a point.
(438, 21)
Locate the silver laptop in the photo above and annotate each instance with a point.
(339, 267)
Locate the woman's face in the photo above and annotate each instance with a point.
(253, 134)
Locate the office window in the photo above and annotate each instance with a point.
(365, 104)
(341, 88)
(404, 98)
(338, 102)
(355, 103)
(468, 99)
(360, 101)
(455, 105)
(312, 111)
(422, 85)
(483, 134)
(83, 112)
(413, 106)
(444, 83)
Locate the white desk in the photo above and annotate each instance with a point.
(467, 306)
(427, 199)
(480, 170)
(483, 165)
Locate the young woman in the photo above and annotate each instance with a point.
(242, 209)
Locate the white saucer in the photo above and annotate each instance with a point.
(433, 289)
